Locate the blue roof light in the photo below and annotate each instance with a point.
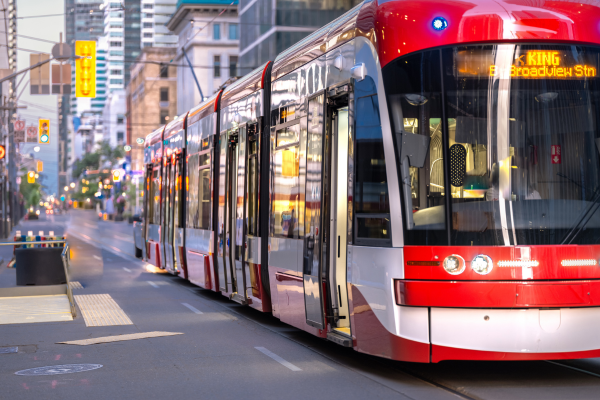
(439, 23)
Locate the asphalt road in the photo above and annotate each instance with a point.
(228, 351)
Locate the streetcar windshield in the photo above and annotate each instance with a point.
(514, 142)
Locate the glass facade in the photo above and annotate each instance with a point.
(260, 37)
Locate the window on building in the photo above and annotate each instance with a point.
(147, 15)
(116, 26)
(164, 71)
(120, 119)
(116, 5)
(164, 116)
(146, 44)
(147, 34)
(116, 44)
(233, 31)
(116, 72)
(233, 65)
(217, 31)
(147, 6)
(116, 81)
(120, 136)
(148, 25)
(164, 94)
(116, 34)
(217, 66)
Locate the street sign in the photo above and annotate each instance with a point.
(32, 134)
(44, 131)
(61, 51)
(2, 152)
(39, 78)
(19, 125)
(19, 136)
(61, 78)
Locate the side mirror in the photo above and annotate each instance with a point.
(458, 165)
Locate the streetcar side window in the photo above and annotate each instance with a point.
(199, 199)
(155, 201)
(286, 184)
(371, 198)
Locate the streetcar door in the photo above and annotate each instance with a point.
(176, 233)
(338, 212)
(313, 249)
(239, 216)
(230, 170)
(168, 231)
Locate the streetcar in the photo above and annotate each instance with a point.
(417, 180)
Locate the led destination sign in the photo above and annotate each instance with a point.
(543, 64)
(503, 62)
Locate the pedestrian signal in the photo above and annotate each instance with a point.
(40, 166)
(44, 131)
(31, 177)
(116, 175)
(85, 68)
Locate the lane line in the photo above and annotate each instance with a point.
(152, 284)
(127, 269)
(194, 309)
(97, 257)
(99, 245)
(280, 360)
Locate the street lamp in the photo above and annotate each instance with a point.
(66, 188)
(72, 184)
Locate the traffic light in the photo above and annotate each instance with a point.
(44, 131)
(40, 166)
(116, 175)
(31, 177)
(85, 68)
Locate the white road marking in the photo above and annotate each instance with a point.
(97, 258)
(194, 309)
(152, 284)
(278, 359)
(127, 269)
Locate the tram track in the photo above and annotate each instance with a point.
(583, 371)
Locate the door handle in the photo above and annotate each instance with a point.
(338, 247)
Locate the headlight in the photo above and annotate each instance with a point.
(482, 264)
(454, 264)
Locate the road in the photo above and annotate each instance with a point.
(227, 351)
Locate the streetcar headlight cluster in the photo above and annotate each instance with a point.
(454, 264)
(481, 264)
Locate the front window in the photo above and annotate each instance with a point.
(520, 145)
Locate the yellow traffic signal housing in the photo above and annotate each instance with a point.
(116, 175)
(31, 177)
(85, 68)
(44, 131)
(40, 166)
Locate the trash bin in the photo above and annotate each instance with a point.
(40, 266)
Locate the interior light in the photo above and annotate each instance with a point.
(454, 264)
(482, 264)
(546, 97)
(578, 263)
(415, 99)
(518, 263)
(439, 23)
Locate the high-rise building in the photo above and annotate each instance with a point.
(155, 15)
(207, 48)
(270, 26)
(133, 35)
(84, 20)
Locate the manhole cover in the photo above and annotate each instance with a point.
(6, 350)
(58, 369)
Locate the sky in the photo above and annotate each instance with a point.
(39, 106)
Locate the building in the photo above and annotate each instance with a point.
(151, 97)
(268, 27)
(155, 15)
(113, 118)
(208, 41)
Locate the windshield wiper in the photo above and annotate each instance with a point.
(587, 215)
(569, 179)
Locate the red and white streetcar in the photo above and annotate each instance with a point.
(418, 180)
